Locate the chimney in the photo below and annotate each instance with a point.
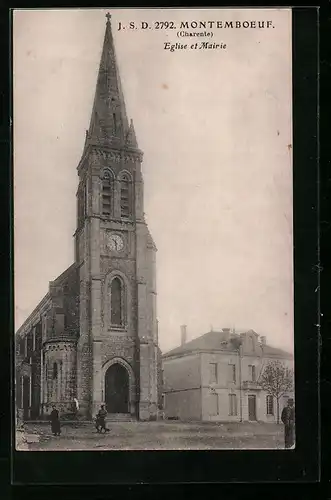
(226, 333)
(183, 334)
(263, 340)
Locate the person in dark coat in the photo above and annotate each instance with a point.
(55, 421)
(100, 422)
(288, 419)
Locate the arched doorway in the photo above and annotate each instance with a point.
(117, 389)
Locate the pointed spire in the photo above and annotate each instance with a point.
(131, 139)
(109, 124)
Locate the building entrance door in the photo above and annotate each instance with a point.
(252, 407)
(117, 389)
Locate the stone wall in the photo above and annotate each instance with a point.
(71, 304)
(121, 346)
(160, 381)
(183, 405)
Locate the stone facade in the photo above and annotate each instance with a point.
(97, 324)
(216, 378)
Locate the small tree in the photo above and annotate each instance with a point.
(277, 379)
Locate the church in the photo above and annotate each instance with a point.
(94, 336)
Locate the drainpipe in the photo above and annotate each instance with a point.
(240, 386)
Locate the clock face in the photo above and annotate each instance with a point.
(115, 242)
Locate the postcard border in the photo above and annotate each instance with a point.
(301, 464)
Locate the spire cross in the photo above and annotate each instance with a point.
(108, 16)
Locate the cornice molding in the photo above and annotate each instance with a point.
(116, 156)
(60, 345)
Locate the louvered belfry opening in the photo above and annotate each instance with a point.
(107, 194)
(125, 197)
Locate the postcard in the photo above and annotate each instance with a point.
(153, 229)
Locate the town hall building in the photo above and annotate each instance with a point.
(217, 377)
(94, 336)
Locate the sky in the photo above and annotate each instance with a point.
(215, 127)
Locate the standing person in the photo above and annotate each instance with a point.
(75, 410)
(55, 421)
(288, 419)
(101, 420)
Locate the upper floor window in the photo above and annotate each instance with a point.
(30, 343)
(81, 203)
(270, 405)
(116, 302)
(86, 198)
(107, 193)
(44, 326)
(125, 196)
(232, 373)
(114, 124)
(38, 339)
(20, 347)
(252, 373)
(55, 371)
(213, 373)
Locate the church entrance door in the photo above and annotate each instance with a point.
(117, 389)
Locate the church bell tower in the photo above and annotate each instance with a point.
(117, 348)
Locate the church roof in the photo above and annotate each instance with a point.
(109, 124)
(215, 340)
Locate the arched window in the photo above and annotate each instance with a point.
(80, 206)
(114, 124)
(125, 196)
(86, 198)
(107, 193)
(55, 371)
(116, 302)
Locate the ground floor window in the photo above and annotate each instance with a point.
(270, 405)
(213, 402)
(233, 405)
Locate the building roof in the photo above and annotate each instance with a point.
(219, 340)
